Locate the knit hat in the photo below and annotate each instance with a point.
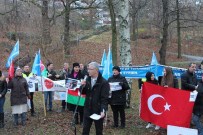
(117, 68)
(76, 65)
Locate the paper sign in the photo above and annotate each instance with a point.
(193, 96)
(72, 84)
(174, 130)
(114, 86)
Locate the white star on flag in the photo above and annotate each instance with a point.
(167, 107)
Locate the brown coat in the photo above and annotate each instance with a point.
(19, 90)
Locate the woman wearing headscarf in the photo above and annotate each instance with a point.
(3, 90)
(19, 95)
(151, 79)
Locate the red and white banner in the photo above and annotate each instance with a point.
(164, 106)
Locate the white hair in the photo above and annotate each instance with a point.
(95, 65)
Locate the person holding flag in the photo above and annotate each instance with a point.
(118, 98)
(189, 82)
(151, 79)
(3, 91)
(76, 74)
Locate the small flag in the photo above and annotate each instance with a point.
(108, 65)
(103, 58)
(11, 73)
(154, 60)
(14, 53)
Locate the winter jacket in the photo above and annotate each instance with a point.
(97, 96)
(119, 97)
(3, 86)
(19, 90)
(198, 106)
(188, 81)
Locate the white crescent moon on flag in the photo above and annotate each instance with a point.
(149, 103)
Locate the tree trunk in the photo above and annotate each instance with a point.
(164, 41)
(114, 31)
(66, 42)
(178, 29)
(134, 36)
(46, 38)
(124, 33)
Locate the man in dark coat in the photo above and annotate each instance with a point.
(118, 97)
(189, 83)
(97, 92)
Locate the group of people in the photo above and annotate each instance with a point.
(97, 91)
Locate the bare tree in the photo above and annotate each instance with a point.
(124, 33)
(164, 40)
(113, 30)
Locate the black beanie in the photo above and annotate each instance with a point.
(117, 68)
(76, 64)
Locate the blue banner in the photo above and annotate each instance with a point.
(140, 71)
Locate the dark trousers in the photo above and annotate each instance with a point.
(118, 109)
(88, 123)
(31, 102)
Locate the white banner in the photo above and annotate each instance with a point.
(59, 95)
(48, 84)
(32, 82)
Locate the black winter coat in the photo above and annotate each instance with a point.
(119, 97)
(188, 81)
(19, 91)
(96, 97)
(3, 86)
(198, 106)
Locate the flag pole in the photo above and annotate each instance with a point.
(45, 113)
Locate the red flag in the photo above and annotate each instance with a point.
(165, 106)
(11, 71)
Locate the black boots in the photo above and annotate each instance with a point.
(1, 120)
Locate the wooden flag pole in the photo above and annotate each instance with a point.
(45, 112)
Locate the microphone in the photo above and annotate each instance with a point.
(82, 86)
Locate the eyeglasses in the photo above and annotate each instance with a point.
(90, 69)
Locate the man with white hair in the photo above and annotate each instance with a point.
(96, 89)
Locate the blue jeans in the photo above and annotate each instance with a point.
(48, 94)
(2, 101)
(198, 124)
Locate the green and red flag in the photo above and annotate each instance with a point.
(73, 97)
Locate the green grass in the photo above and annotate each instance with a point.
(60, 123)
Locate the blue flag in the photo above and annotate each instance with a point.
(103, 58)
(154, 60)
(36, 65)
(108, 66)
(14, 53)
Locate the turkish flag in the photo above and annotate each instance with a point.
(11, 71)
(164, 106)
